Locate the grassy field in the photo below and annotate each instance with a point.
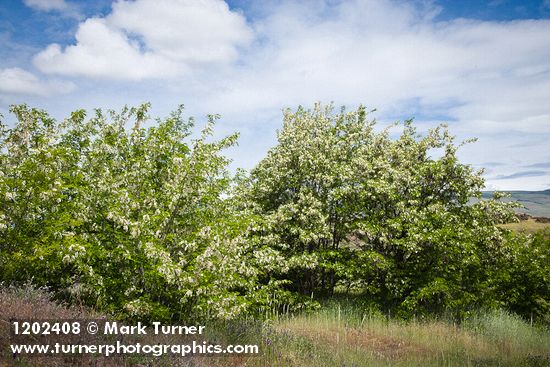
(527, 226)
(339, 334)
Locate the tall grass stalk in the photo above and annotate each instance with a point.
(346, 335)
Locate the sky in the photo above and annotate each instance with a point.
(482, 67)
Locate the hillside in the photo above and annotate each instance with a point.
(536, 203)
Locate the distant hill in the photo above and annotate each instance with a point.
(537, 203)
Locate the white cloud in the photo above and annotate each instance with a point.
(150, 39)
(187, 30)
(47, 5)
(19, 81)
(491, 79)
(382, 54)
(58, 6)
(104, 52)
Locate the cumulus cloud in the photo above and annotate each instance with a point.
(387, 56)
(186, 30)
(486, 78)
(19, 81)
(104, 52)
(147, 39)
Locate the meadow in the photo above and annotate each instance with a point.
(342, 333)
(526, 226)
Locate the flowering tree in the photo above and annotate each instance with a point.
(146, 222)
(348, 205)
(133, 220)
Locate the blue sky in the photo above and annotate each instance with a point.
(483, 67)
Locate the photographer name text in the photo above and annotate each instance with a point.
(156, 328)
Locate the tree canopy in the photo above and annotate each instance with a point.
(148, 222)
(349, 205)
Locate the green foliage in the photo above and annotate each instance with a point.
(133, 221)
(345, 204)
(148, 223)
(522, 275)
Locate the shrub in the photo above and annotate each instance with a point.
(345, 204)
(136, 220)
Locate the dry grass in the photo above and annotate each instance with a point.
(527, 226)
(340, 337)
(336, 335)
(28, 303)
